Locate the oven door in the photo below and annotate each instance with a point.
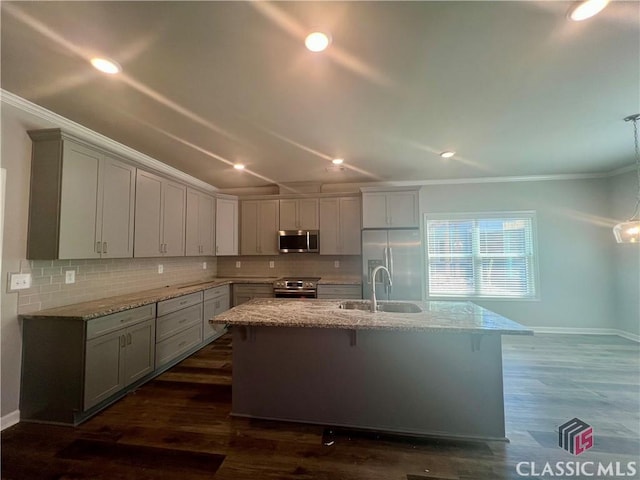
(293, 293)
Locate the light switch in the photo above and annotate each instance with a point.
(19, 281)
(336, 264)
(204, 265)
(70, 276)
(272, 264)
(238, 264)
(160, 268)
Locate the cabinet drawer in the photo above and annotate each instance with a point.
(339, 291)
(216, 292)
(175, 346)
(169, 306)
(251, 289)
(110, 323)
(175, 322)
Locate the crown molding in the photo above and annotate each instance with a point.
(105, 143)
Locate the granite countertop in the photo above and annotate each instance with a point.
(340, 280)
(106, 306)
(447, 317)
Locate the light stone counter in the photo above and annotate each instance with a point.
(447, 317)
(119, 303)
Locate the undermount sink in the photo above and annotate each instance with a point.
(389, 307)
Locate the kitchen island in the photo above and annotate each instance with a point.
(437, 372)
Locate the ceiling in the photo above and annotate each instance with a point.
(513, 87)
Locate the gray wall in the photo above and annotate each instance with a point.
(15, 156)
(626, 257)
(574, 245)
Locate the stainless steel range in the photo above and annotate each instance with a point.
(305, 287)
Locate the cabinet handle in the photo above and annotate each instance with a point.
(183, 320)
(183, 302)
(122, 341)
(98, 247)
(182, 344)
(104, 247)
(128, 339)
(217, 304)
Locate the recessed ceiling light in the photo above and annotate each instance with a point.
(238, 166)
(337, 161)
(447, 154)
(586, 9)
(317, 41)
(106, 66)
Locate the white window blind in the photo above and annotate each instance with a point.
(481, 255)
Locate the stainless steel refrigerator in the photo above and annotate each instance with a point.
(399, 251)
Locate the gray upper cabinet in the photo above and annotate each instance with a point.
(299, 214)
(394, 209)
(226, 226)
(88, 211)
(160, 216)
(200, 223)
(340, 226)
(260, 220)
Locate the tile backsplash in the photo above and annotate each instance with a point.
(97, 278)
(293, 264)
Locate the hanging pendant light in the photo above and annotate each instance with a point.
(629, 231)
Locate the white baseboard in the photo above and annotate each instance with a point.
(9, 419)
(587, 331)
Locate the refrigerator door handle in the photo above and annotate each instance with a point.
(386, 257)
(391, 261)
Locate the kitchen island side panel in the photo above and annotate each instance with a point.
(422, 383)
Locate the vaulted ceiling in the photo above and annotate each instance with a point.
(515, 88)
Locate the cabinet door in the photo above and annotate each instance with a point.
(289, 214)
(374, 210)
(308, 213)
(249, 224)
(349, 228)
(104, 367)
(174, 200)
(79, 202)
(269, 221)
(148, 219)
(226, 230)
(139, 357)
(118, 182)
(402, 209)
(329, 229)
(192, 229)
(206, 224)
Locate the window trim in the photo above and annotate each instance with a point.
(455, 216)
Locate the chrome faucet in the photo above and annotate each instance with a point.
(374, 302)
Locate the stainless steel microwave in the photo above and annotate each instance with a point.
(290, 241)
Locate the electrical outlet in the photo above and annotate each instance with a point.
(204, 265)
(336, 264)
(70, 276)
(272, 264)
(160, 268)
(238, 264)
(19, 281)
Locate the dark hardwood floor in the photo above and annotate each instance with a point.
(178, 426)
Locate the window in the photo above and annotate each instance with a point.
(481, 255)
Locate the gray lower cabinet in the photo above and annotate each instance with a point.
(329, 292)
(243, 292)
(216, 301)
(118, 359)
(71, 368)
(178, 327)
